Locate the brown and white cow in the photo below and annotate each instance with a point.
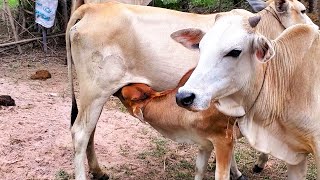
(115, 44)
(207, 129)
(275, 82)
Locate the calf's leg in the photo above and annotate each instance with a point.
(224, 151)
(202, 160)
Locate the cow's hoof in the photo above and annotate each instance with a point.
(242, 177)
(257, 169)
(103, 177)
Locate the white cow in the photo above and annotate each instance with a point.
(273, 86)
(113, 44)
(77, 3)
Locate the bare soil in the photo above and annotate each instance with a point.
(35, 141)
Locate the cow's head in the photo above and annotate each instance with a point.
(228, 53)
(231, 52)
(291, 12)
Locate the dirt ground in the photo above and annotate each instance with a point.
(35, 141)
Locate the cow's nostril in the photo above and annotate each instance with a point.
(185, 99)
(188, 100)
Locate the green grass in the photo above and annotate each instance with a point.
(161, 147)
(62, 175)
(12, 3)
(204, 3)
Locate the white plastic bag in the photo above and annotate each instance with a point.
(46, 12)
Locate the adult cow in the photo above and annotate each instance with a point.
(275, 82)
(77, 3)
(131, 44)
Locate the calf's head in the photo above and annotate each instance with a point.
(136, 97)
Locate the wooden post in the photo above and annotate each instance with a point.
(44, 38)
(65, 13)
(16, 38)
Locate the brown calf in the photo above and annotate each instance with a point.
(207, 128)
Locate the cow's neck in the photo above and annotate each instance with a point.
(265, 95)
(268, 117)
(269, 25)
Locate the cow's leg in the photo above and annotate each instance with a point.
(297, 172)
(82, 130)
(94, 167)
(316, 154)
(202, 160)
(223, 150)
(261, 163)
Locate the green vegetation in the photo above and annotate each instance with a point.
(62, 175)
(12, 3)
(161, 147)
(205, 3)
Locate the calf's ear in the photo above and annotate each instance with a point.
(137, 112)
(189, 38)
(263, 49)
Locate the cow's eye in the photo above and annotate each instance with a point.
(234, 53)
(303, 11)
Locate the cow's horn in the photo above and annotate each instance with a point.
(253, 21)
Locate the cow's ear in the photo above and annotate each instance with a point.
(257, 5)
(281, 5)
(263, 49)
(137, 112)
(190, 38)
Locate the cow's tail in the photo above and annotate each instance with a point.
(77, 15)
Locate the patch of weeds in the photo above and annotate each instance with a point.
(186, 165)
(126, 170)
(142, 155)
(312, 168)
(144, 130)
(238, 156)
(62, 175)
(183, 176)
(122, 108)
(161, 147)
(124, 150)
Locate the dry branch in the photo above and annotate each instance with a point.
(29, 40)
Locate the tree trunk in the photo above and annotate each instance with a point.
(64, 13)
(12, 24)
